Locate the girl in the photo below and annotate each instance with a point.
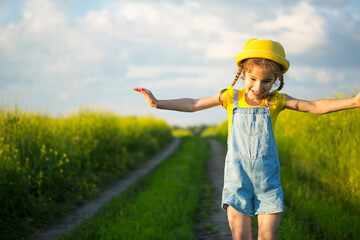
(252, 172)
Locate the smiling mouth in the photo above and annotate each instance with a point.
(255, 93)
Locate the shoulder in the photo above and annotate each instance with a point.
(278, 100)
(227, 96)
(241, 92)
(281, 96)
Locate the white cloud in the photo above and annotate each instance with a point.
(323, 76)
(300, 28)
(187, 26)
(65, 95)
(45, 47)
(46, 33)
(47, 41)
(41, 15)
(301, 73)
(6, 38)
(134, 71)
(341, 77)
(308, 74)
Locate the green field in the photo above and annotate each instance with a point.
(49, 165)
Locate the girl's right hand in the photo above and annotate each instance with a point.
(149, 97)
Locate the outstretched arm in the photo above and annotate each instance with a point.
(322, 106)
(182, 104)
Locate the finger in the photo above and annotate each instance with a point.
(138, 89)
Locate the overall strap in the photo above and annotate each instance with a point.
(236, 98)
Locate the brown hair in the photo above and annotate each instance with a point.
(248, 64)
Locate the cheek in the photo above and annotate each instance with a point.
(267, 87)
(246, 83)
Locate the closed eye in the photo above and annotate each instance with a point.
(268, 81)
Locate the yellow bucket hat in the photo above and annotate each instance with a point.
(263, 48)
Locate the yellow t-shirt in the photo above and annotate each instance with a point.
(277, 104)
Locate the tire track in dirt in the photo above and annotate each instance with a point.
(67, 223)
(216, 226)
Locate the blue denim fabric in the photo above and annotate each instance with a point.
(252, 169)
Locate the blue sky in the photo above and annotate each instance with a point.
(56, 56)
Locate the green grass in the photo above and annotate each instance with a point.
(312, 208)
(162, 205)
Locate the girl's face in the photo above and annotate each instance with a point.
(258, 83)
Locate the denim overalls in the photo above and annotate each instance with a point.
(252, 169)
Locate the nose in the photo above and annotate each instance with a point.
(257, 86)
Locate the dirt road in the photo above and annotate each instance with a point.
(216, 226)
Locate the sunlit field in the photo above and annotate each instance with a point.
(49, 165)
(320, 173)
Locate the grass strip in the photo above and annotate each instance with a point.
(161, 205)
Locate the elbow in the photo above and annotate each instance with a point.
(319, 111)
(192, 109)
(192, 106)
(318, 108)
